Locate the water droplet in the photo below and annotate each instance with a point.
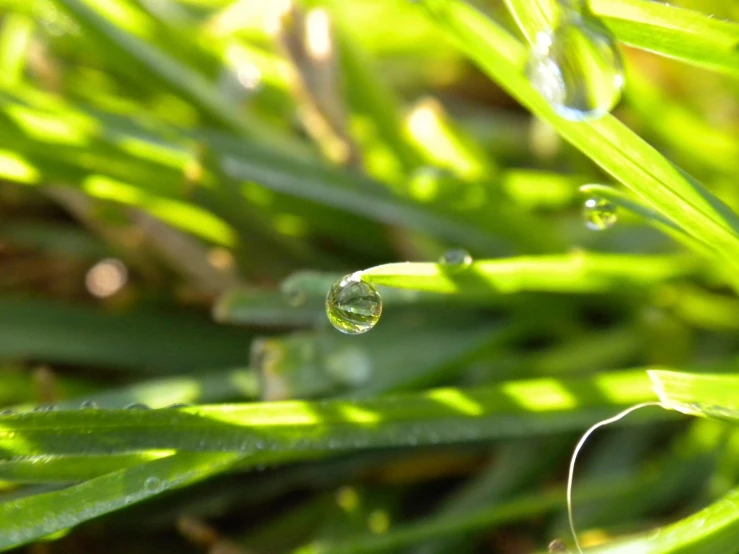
(458, 258)
(47, 408)
(153, 484)
(599, 214)
(178, 405)
(137, 406)
(353, 306)
(88, 405)
(578, 69)
(8, 411)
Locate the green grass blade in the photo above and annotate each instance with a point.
(297, 428)
(569, 273)
(71, 469)
(705, 395)
(607, 141)
(140, 340)
(709, 531)
(41, 515)
(157, 65)
(686, 35)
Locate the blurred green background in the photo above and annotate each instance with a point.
(182, 181)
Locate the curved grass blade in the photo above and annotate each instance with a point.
(699, 394)
(294, 429)
(709, 531)
(569, 273)
(34, 517)
(607, 141)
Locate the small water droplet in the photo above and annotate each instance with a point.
(8, 411)
(457, 258)
(178, 405)
(577, 68)
(88, 405)
(353, 306)
(137, 406)
(47, 408)
(599, 214)
(153, 484)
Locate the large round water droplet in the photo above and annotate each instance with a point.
(599, 214)
(578, 69)
(457, 258)
(353, 306)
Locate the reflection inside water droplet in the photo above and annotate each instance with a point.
(578, 69)
(458, 258)
(599, 214)
(353, 306)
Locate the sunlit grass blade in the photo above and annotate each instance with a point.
(687, 35)
(179, 78)
(71, 469)
(700, 394)
(40, 515)
(296, 428)
(606, 141)
(709, 531)
(579, 272)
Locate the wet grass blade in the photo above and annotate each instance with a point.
(700, 394)
(686, 35)
(607, 141)
(295, 428)
(569, 273)
(40, 515)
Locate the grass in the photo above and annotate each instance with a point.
(182, 181)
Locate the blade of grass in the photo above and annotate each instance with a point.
(686, 35)
(606, 141)
(294, 428)
(705, 395)
(711, 530)
(570, 273)
(38, 516)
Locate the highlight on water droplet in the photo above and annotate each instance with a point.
(353, 306)
(458, 258)
(599, 214)
(577, 68)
